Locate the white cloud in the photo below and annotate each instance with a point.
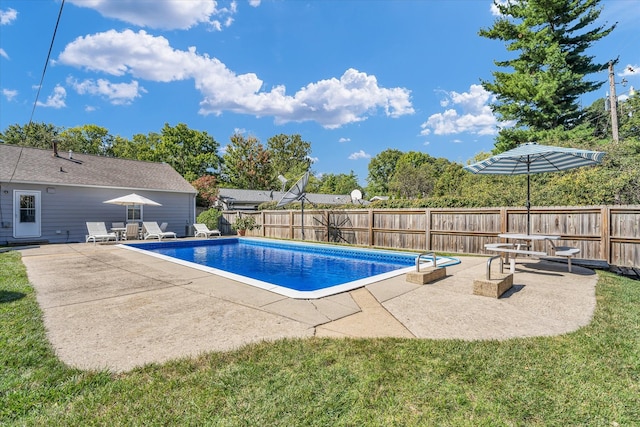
(9, 94)
(254, 3)
(359, 155)
(89, 108)
(494, 9)
(332, 103)
(8, 16)
(470, 113)
(3, 53)
(165, 14)
(344, 140)
(56, 99)
(117, 93)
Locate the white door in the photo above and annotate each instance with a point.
(26, 214)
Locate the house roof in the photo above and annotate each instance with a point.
(259, 196)
(38, 166)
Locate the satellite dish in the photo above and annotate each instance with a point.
(356, 195)
(296, 193)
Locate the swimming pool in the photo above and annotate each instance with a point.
(293, 269)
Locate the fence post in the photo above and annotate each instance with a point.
(605, 233)
(371, 219)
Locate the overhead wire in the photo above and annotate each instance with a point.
(46, 63)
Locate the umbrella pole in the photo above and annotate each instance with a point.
(528, 197)
(302, 219)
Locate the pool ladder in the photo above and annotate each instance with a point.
(433, 254)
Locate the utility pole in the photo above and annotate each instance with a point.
(613, 100)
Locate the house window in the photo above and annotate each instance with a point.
(134, 212)
(27, 208)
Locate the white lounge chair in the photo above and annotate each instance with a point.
(152, 231)
(98, 233)
(203, 230)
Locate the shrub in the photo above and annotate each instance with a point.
(211, 218)
(245, 223)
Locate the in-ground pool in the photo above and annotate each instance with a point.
(293, 269)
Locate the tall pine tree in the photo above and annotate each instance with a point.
(548, 73)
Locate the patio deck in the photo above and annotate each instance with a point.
(108, 308)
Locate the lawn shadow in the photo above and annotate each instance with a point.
(9, 296)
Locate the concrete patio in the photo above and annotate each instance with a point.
(106, 307)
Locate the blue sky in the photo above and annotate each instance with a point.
(352, 77)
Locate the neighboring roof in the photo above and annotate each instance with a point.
(38, 166)
(259, 196)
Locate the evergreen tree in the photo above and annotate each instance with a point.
(549, 72)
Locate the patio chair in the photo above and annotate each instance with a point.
(133, 230)
(98, 233)
(164, 226)
(203, 230)
(152, 231)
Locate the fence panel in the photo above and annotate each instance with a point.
(610, 233)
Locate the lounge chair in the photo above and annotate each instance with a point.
(164, 226)
(98, 233)
(133, 230)
(152, 231)
(203, 230)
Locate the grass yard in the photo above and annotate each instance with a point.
(590, 377)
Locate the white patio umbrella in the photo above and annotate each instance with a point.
(132, 200)
(535, 158)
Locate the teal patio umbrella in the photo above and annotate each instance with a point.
(535, 158)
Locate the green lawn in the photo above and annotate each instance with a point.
(589, 377)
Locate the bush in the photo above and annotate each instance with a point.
(245, 223)
(211, 218)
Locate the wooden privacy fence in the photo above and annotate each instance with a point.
(609, 233)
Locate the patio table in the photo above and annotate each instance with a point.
(119, 232)
(522, 245)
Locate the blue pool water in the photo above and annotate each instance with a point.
(307, 270)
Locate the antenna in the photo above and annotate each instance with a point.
(356, 196)
(296, 193)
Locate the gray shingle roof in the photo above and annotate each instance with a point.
(38, 166)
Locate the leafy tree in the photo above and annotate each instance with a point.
(141, 147)
(246, 164)
(207, 187)
(415, 175)
(37, 135)
(548, 77)
(87, 139)
(629, 126)
(289, 156)
(192, 153)
(381, 169)
(338, 184)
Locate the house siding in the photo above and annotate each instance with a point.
(65, 209)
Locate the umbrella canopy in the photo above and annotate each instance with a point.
(535, 158)
(132, 199)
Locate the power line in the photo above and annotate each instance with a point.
(44, 70)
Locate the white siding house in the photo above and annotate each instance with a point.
(47, 197)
